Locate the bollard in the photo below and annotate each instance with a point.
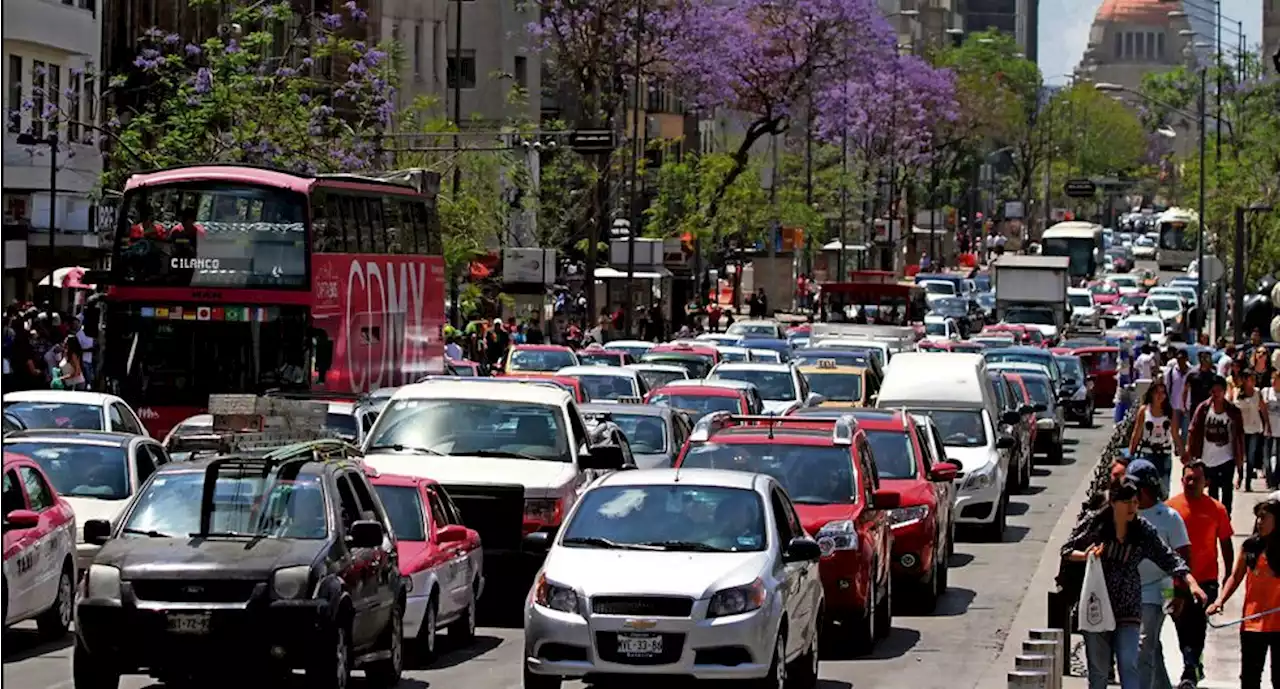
(1062, 666)
(1045, 648)
(1028, 679)
(1036, 663)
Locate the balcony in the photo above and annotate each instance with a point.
(52, 24)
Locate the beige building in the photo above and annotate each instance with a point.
(1270, 29)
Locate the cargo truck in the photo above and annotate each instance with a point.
(1032, 291)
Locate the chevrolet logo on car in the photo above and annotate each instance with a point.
(640, 625)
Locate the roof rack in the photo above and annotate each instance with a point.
(251, 423)
(842, 432)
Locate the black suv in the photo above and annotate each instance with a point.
(285, 561)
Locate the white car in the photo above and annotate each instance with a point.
(937, 289)
(941, 327)
(518, 453)
(655, 567)
(766, 355)
(768, 329)
(607, 383)
(1083, 309)
(657, 375)
(734, 353)
(1126, 283)
(634, 348)
(68, 409)
(720, 339)
(1170, 307)
(781, 386)
(1187, 292)
(1144, 249)
(1152, 325)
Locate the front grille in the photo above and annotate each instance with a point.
(494, 512)
(643, 606)
(194, 591)
(607, 649)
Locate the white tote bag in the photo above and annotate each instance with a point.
(1095, 605)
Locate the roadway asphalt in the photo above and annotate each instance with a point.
(951, 648)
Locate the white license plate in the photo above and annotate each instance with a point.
(639, 645)
(185, 623)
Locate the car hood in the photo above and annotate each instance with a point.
(204, 558)
(971, 458)
(534, 475)
(598, 571)
(1082, 311)
(91, 508)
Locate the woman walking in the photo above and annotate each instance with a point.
(1256, 566)
(1271, 449)
(1253, 412)
(71, 366)
(1155, 435)
(1121, 539)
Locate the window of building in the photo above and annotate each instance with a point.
(417, 49)
(89, 111)
(522, 71)
(37, 98)
(1128, 45)
(462, 69)
(1160, 47)
(90, 5)
(14, 105)
(54, 97)
(73, 108)
(1119, 45)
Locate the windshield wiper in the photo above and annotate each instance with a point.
(151, 533)
(606, 543)
(397, 447)
(227, 534)
(685, 545)
(504, 453)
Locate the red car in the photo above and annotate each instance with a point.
(39, 549)
(949, 346)
(701, 397)
(826, 466)
(462, 367)
(1101, 364)
(922, 523)
(708, 352)
(1024, 399)
(1104, 293)
(538, 360)
(439, 557)
(1023, 334)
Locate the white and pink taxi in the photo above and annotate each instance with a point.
(39, 549)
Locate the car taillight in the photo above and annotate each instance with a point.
(541, 513)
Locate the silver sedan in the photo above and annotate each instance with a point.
(695, 572)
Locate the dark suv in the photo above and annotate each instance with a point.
(285, 560)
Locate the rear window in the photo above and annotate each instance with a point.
(699, 405)
(656, 379)
(895, 458)
(812, 475)
(37, 415)
(540, 360)
(606, 387)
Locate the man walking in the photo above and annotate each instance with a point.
(1157, 587)
(1209, 531)
(1217, 439)
(1199, 382)
(1175, 381)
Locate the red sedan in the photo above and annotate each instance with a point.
(1101, 364)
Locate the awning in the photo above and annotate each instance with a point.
(609, 273)
(834, 245)
(69, 277)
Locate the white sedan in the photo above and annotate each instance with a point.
(1168, 306)
(1152, 325)
(1126, 283)
(781, 386)
(68, 409)
(1144, 248)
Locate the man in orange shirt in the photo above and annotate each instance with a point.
(1209, 528)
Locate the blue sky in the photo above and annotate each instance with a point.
(1064, 30)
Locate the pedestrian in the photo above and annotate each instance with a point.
(1145, 364)
(86, 347)
(1199, 383)
(452, 351)
(1155, 437)
(1253, 414)
(924, 262)
(533, 333)
(1124, 397)
(69, 373)
(1254, 566)
(1225, 360)
(1121, 539)
(1271, 451)
(1175, 379)
(1259, 359)
(1217, 438)
(763, 300)
(1209, 528)
(1157, 588)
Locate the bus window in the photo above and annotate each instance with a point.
(410, 234)
(391, 220)
(377, 232)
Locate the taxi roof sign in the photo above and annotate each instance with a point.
(826, 363)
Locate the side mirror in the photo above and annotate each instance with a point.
(1011, 417)
(1005, 442)
(365, 533)
(1040, 407)
(21, 519)
(453, 533)
(1069, 381)
(1027, 409)
(943, 472)
(97, 531)
(814, 399)
(802, 550)
(538, 542)
(887, 499)
(603, 457)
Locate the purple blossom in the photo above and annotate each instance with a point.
(357, 68)
(204, 80)
(373, 57)
(113, 123)
(306, 61)
(355, 11)
(384, 111)
(49, 111)
(77, 71)
(332, 22)
(28, 104)
(233, 47)
(339, 93)
(304, 98)
(359, 46)
(193, 101)
(172, 39)
(285, 72)
(154, 33)
(38, 71)
(147, 60)
(192, 50)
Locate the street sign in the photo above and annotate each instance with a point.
(1080, 188)
(587, 141)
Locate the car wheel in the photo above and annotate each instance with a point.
(88, 672)
(928, 600)
(884, 611)
(995, 530)
(386, 672)
(862, 628)
(1055, 451)
(332, 671)
(805, 675)
(944, 578)
(54, 622)
(463, 630)
(427, 633)
(532, 681)
(777, 677)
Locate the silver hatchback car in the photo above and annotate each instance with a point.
(699, 573)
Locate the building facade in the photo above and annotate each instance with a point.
(1018, 18)
(1270, 29)
(48, 47)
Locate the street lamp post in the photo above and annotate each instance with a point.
(634, 199)
(1238, 270)
(52, 142)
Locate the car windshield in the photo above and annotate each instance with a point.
(605, 387)
(1133, 299)
(404, 508)
(727, 354)
(1165, 304)
(599, 359)
(344, 426)
(80, 471)
(656, 379)
(935, 328)
(895, 457)
(633, 351)
(698, 367)
(1019, 358)
(811, 474)
(278, 505)
(1032, 316)
(836, 387)
(755, 329)
(958, 428)
(1150, 327)
(545, 360)
(680, 517)
(938, 287)
(37, 415)
(646, 433)
(774, 386)
(1103, 288)
(768, 355)
(1080, 300)
(493, 428)
(699, 405)
(1124, 280)
(1071, 367)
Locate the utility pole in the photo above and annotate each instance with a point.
(844, 201)
(634, 198)
(1204, 97)
(454, 296)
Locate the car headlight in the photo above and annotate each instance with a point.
(1080, 394)
(904, 516)
(738, 600)
(841, 535)
(291, 582)
(103, 581)
(554, 596)
(980, 479)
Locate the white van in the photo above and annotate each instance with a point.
(955, 391)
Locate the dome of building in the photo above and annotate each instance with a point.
(1148, 12)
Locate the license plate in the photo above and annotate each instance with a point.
(639, 645)
(186, 623)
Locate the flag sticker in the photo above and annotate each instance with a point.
(218, 313)
(162, 312)
(204, 313)
(148, 312)
(175, 313)
(188, 315)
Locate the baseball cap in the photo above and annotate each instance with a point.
(1144, 473)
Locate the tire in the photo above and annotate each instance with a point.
(1055, 450)
(805, 673)
(944, 578)
(884, 611)
(929, 590)
(54, 622)
(532, 681)
(428, 640)
(994, 531)
(951, 539)
(87, 672)
(331, 669)
(861, 630)
(777, 677)
(386, 673)
(462, 631)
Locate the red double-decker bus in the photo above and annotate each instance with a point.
(234, 279)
